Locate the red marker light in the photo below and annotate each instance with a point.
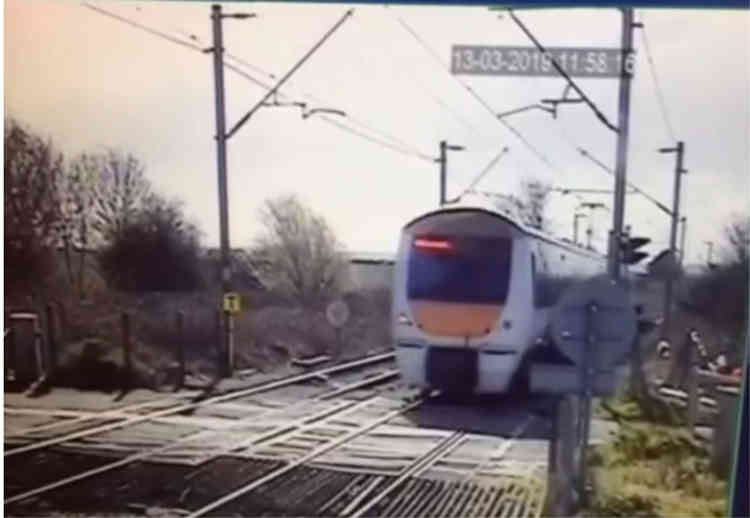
(433, 244)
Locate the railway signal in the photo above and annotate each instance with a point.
(629, 248)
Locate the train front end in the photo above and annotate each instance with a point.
(457, 324)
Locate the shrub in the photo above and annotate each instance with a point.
(156, 251)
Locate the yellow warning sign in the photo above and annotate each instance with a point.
(232, 303)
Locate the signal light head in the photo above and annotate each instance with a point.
(629, 248)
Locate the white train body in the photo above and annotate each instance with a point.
(473, 289)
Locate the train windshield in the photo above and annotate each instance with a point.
(473, 270)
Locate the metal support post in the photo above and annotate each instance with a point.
(442, 160)
(692, 388)
(221, 160)
(588, 371)
(668, 285)
(622, 144)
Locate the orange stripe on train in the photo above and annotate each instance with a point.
(455, 318)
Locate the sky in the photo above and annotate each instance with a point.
(90, 82)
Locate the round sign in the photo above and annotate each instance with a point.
(337, 313)
(612, 324)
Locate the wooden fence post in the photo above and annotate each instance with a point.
(10, 349)
(219, 344)
(180, 349)
(51, 341)
(126, 352)
(692, 408)
(562, 463)
(38, 348)
(230, 344)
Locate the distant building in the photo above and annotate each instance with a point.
(369, 270)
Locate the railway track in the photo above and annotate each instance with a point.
(172, 409)
(336, 453)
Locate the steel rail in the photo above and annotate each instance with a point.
(341, 494)
(310, 456)
(189, 406)
(76, 416)
(501, 450)
(443, 447)
(267, 436)
(155, 451)
(362, 495)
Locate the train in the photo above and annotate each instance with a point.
(473, 291)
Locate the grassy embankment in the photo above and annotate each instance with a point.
(653, 469)
(269, 332)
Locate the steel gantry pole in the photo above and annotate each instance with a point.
(668, 285)
(226, 340)
(221, 162)
(615, 237)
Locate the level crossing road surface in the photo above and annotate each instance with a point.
(351, 440)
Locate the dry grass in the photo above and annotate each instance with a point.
(651, 488)
(654, 470)
(269, 332)
(269, 336)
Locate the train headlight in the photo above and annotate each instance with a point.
(404, 320)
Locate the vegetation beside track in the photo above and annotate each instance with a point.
(652, 469)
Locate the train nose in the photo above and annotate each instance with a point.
(455, 319)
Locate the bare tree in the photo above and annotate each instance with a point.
(721, 294)
(738, 236)
(298, 256)
(32, 209)
(119, 192)
(534, 201)
(78, 187)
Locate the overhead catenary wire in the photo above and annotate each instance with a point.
(484, 172)
(405, 149)
(471, 91)
(172, 39)
(563, 133)
(599, 114)
(350, 118)
(437, 100)
(291, 71)
(630, 184)
(657, 85)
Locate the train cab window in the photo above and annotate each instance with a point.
(459, 269)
